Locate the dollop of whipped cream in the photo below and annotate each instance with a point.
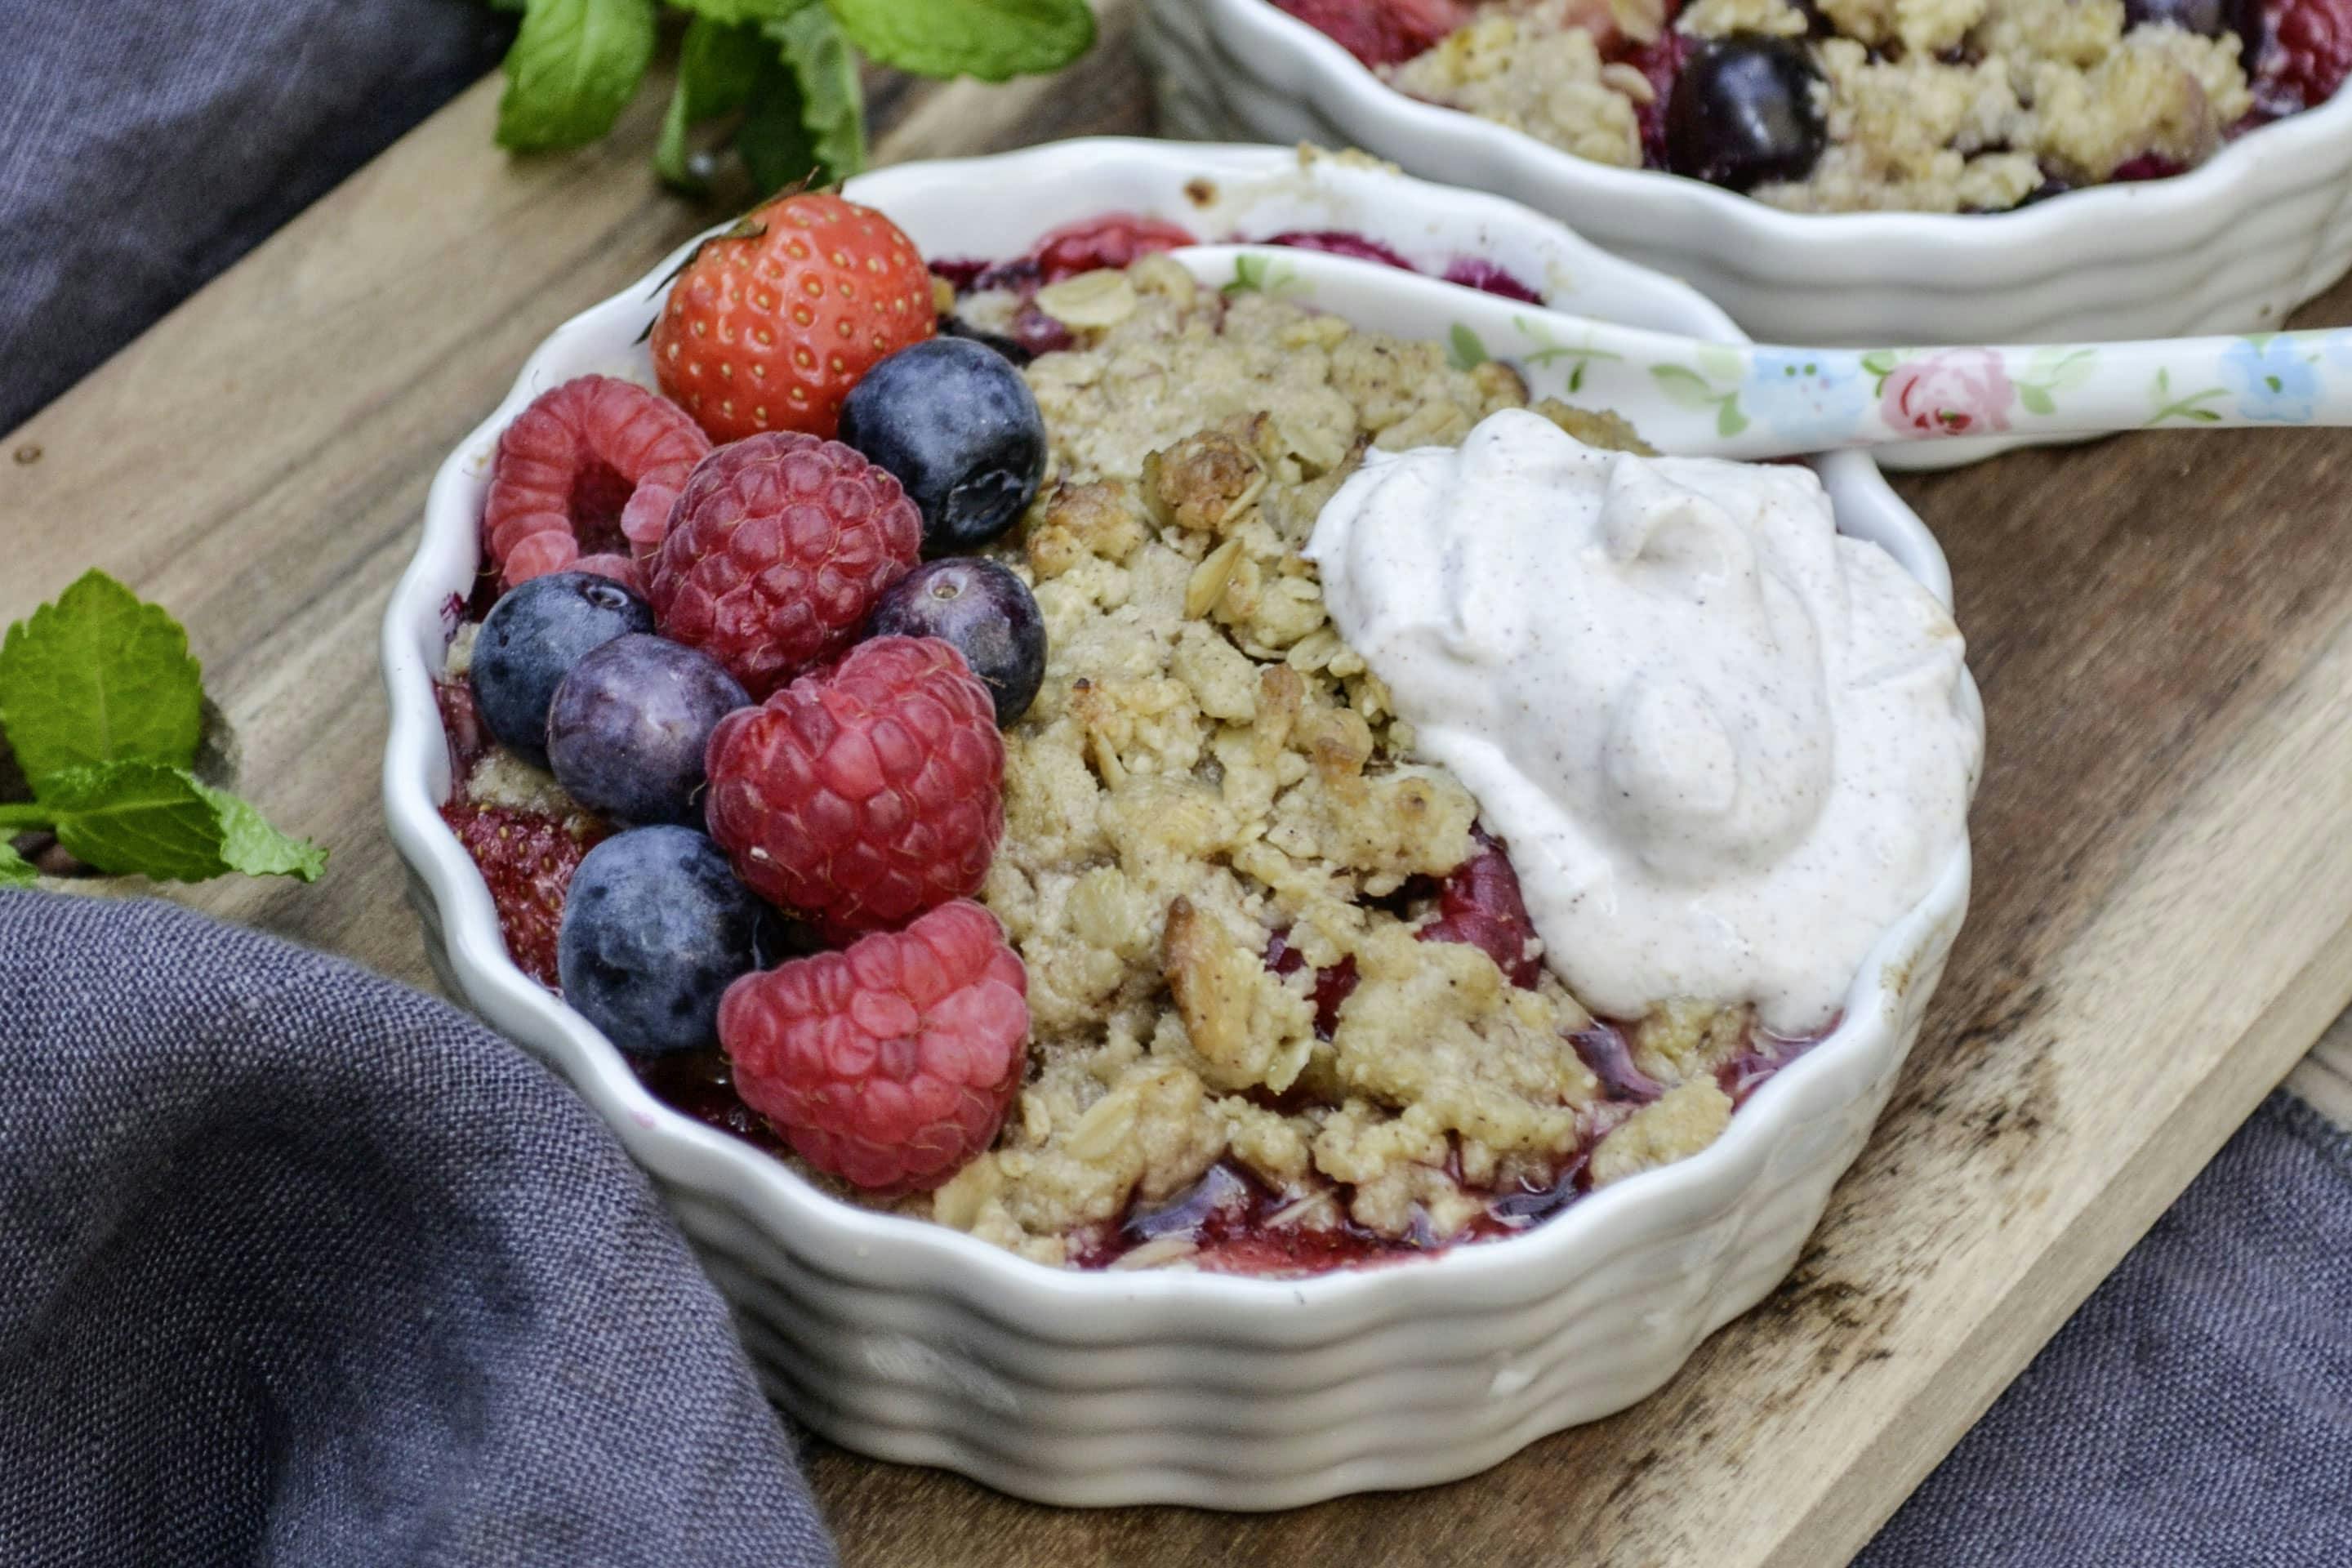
(1727, 747)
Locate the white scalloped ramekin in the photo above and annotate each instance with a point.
(2233, 246)
(915, 1343)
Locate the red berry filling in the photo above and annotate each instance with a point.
(528, 860)
(1332, 986)
(1384, 32)
(1479, 903)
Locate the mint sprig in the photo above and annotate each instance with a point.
(102, 704)
(992, 39)
(572, 68)
(98, 676)
(718, 63)
(781, 76)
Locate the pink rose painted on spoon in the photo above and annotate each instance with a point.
(1953, 391)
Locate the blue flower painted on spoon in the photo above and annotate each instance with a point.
(1812, 398)
(2273, 379)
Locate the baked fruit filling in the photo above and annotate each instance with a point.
(1852, 105)
(1103, 909)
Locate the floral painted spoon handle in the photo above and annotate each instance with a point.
(1694, 398)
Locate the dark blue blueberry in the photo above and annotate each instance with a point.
(1013, 349)
(1746, 111)
(656, 928)
(628, 727)
(985, 611)
(954, 421)
(532, 638)
(2206, 18)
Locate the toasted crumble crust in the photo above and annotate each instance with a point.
(1209, 765)
(1932, 105)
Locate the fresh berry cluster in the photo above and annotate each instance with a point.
(715, 631)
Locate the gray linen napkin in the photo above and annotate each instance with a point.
(300, 1268)
(146, 144)
(2197, 1412)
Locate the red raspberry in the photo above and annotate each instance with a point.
(863, 795)
(587, 470)
(1479, 903)
(2311, 48)
(892, 1064)
(779, 546)
(528, 859)
(1381, 32)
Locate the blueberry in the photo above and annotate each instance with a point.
(2207, 18)
(532, 637)
(1745, 111)
(627, 731)
(954, 421)
(1013, 349)
(656, 928)
(985, 611)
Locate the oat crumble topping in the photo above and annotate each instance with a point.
(1930, 105)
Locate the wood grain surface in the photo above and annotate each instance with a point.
(2162, 625)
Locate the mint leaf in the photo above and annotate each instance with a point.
(142, 819)
(99, 676)
(138, 819)
(573, 68)
(251, 846)
(730, 11)
(833, 101)
(774, 139)
(718, 66)
(992, 39)
(16, 871)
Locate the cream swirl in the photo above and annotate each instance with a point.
(1726, 746)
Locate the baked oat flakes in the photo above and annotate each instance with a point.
(1917, 105)
(1210, 770)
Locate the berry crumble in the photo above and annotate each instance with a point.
(1106, 910)
(1942, 106)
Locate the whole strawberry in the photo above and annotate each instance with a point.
(891, 1064)
(776, 551)
(862, 795)
(771, 324)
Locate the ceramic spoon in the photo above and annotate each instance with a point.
(1696, 398)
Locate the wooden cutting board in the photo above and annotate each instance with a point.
(2163, 920)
